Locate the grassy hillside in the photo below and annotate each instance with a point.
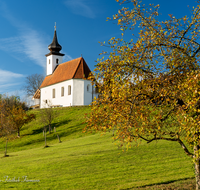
(88, 161)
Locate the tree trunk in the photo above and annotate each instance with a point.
(197, 166)
(5, 154)
(45, 136)
(59, 138)
(49, 129)
(18, 132)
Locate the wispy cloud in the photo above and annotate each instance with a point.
(66, 57)
(80, 7)
(27, 43)
(9, 80)
(9, 76)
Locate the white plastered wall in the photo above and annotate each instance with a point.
(51, 63)
(47, 94)
(83, 92)
(80, 94)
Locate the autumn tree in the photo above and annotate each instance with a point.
(13, 113)
(32, 83)
(150, 85)
(6, 127)
(19, 117)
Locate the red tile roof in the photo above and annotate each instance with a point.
(74, 69)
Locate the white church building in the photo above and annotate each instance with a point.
(65, 84)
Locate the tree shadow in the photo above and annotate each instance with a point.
(70, 130)
(156, 185)
(63, 122)
(57, 124)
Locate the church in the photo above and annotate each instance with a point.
(65, 84)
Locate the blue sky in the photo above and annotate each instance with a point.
(27, 28)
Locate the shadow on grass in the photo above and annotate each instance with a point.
(7, 156)
(168, 185)
(69, 130)
(57, 124)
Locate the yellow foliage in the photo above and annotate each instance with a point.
(150, 86)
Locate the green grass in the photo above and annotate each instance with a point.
(89, 161)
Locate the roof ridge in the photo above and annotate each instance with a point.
(70, 60)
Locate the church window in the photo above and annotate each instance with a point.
(69, 89)
(57, 61)
(54, 93)
(88, 87)
(49, 61)
(62, 91)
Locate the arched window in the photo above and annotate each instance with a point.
(57, 61)
(69, 89)
(62, 91)
(54, 93)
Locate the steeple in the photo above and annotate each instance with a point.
(54, 57)
(55, 47)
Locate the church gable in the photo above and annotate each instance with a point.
(82, 71)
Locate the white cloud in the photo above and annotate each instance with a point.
(9, 80)
(34, 47)
(80, 7)
(28, 43)
(8, 76)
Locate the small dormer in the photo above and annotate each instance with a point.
(54, 57)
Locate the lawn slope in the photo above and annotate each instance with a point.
(86, 161)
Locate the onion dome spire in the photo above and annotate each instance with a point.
(55, 47)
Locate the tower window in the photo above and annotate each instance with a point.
(62, 91)
(57, 61)
(54, 93)
(49, 61)
(69, 89)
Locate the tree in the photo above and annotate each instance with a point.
(13, 113)
(19, 117)
(47, 117)
(33, 82)
(150, 86)
(6, 128)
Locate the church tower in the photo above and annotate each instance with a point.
(54, 57)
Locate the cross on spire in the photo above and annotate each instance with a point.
(55, 26)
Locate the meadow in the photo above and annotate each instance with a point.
(89, 160)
